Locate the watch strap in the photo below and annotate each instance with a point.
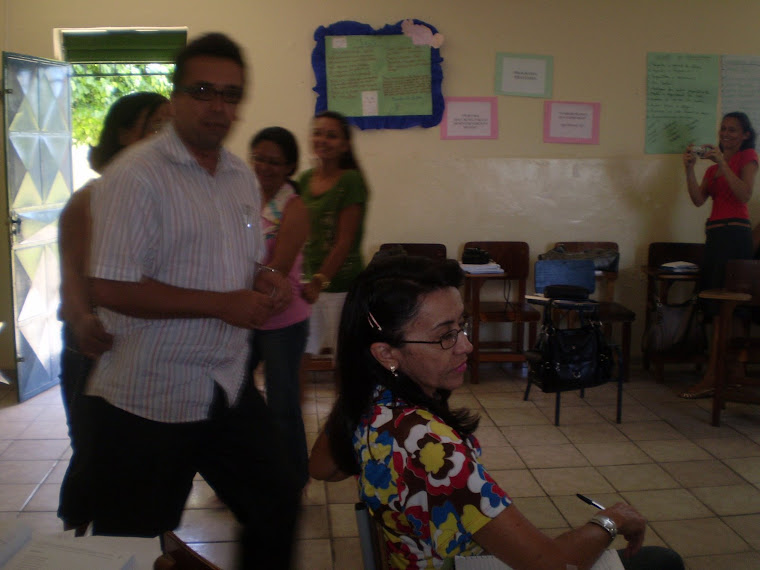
(606, 523)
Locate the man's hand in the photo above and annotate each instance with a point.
(246, 309)
(92, 339)
(276, 286)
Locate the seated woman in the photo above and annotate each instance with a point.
(402, 349)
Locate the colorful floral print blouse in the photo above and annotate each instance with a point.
(423, 483)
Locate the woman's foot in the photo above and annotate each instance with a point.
(695, 393)
(703, 389)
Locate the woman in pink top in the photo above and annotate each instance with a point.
(728, 231)
(281, 341)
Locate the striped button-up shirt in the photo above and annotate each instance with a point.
(158, 214)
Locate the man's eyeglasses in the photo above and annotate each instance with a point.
(447, 340)
(207, 92)
(267, 160)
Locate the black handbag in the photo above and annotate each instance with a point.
(571, 359)
(676, 329)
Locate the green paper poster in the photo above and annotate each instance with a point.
(682, 100)
(377, 75)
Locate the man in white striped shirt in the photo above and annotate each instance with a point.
(176, 240)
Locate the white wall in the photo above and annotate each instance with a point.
(513, 188)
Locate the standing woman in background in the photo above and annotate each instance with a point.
(130, 119)
(280, 342)
(335, 195)
(728, 231)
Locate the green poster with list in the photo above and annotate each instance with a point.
(682, 100)
(377, 75)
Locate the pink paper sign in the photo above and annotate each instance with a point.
(470, 118)
(571, 122)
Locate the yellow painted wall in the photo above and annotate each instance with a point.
(513, 188)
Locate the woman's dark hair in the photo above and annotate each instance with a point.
(214, 44)
(746, 125)
(348, 160)
(123, 114)
(284, 139)
(391, 288)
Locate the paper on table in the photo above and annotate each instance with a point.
(481, 267)
(609, 560)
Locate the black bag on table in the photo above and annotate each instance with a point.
(571, 359)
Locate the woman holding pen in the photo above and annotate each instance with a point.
(402, 350)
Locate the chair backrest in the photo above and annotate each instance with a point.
(578, 272)
(576, 246)
(368, 538)
(743, 275)
(177, 555)
(434, 250)
(513, 256)
(666, 251)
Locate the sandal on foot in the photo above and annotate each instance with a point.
(697, 394)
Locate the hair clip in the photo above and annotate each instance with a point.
(373, 322)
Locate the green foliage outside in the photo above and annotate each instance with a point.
(94, 87)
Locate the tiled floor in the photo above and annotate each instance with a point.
(698, 486)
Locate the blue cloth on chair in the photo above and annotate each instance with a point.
(578, 272)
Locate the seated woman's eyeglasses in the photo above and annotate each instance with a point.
(447, 340)
(207, 92)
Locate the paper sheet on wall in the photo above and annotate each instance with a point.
(740, 86)
(378, 75)
(609, 560)
(682, 101)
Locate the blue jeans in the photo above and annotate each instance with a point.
(281, 351)
(74, 508)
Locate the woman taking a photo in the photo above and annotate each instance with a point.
(335, 195)
(728, 233)
(402, 351)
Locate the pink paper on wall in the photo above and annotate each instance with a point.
(571, 122)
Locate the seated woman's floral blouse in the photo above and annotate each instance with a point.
(423, 483)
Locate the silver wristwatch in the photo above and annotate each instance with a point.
(606, 523)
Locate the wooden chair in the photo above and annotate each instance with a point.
(514, 258)
(434, 250)
(737, 377)
(659, 286)
(579, 273)
(177, 555)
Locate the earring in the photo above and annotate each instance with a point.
(393, 370)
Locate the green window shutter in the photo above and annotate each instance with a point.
(123, 46)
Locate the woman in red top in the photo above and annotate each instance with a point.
(728, 231)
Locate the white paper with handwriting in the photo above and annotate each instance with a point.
(609, 560)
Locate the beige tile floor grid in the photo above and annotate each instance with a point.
(698, 486)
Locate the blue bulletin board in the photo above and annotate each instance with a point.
(380, 79)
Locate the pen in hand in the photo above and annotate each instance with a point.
(585, 499)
